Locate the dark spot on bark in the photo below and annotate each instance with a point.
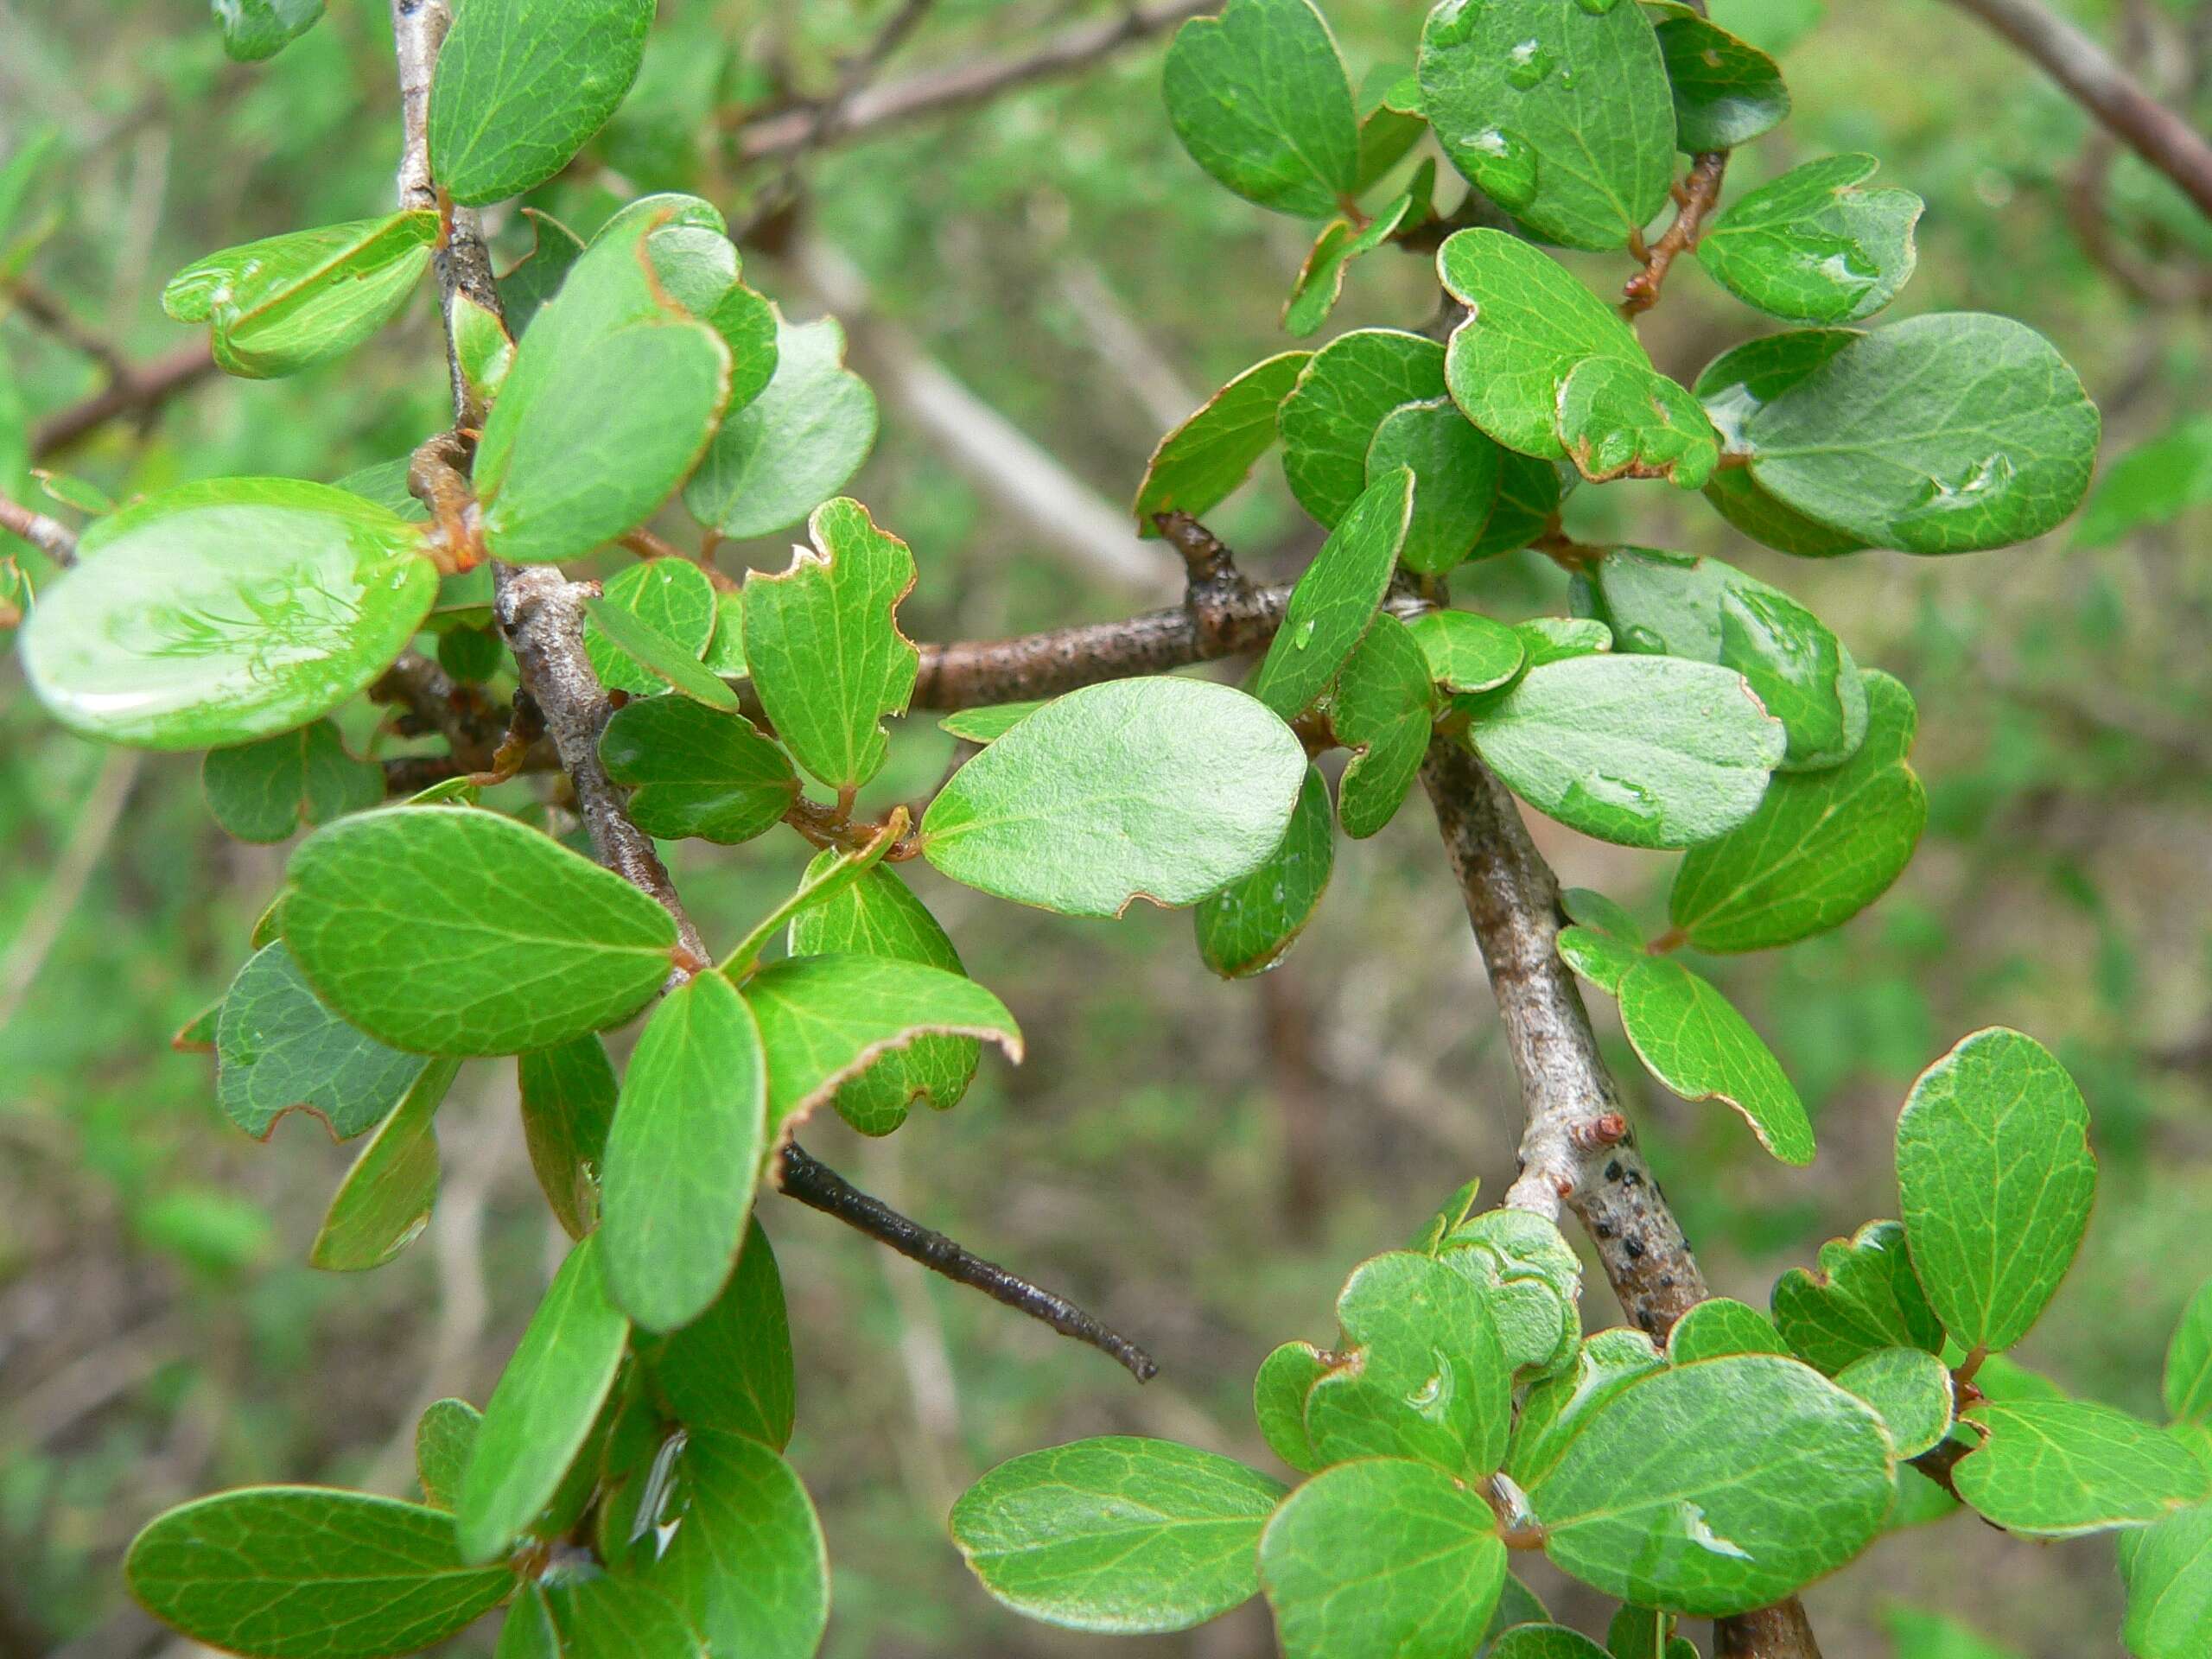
(1635, 1249)
(1601, 1229)
(1613, 1170)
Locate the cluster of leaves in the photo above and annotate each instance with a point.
(625, 1478)
(1461, 1412)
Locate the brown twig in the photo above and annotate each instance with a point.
(819, 1187)
(136, 391)
(1576, 1150)
(940, 91)
(50, 536)
(49, 314)
(540, 611)
(2090, 77)
(1700, 191)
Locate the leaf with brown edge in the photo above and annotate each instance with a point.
(824, 1020)
(822, 644)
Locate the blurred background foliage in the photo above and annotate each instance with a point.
(1200, 1163)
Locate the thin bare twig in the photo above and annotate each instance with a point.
(2090, 77)
(1699, 192)
(540, 610)
(136, 392)
(50, 536)
(940, 91)
(1577, 1149)
(819, 1187)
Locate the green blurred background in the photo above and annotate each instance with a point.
(1200, 1163)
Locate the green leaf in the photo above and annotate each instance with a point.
(684, 1155)
(1201, 461)
(257, 29)
(445, 1439)
(1942, 433)
(792, 448)
(1727, 91)
(1528, 491)
(1734, 386)
(1557, 1406)
(278, 1049)
(613, 1616)
(266, 791)
(1717, 1487)
(1529, 1279)
(1910, 1387)
(1250, 925)
(1646, 1633)
(1467, 652)
(748, 1564)
(2153, 483)
(822, 640)
(1560, 114)
(1321, 278)
(308, 1572)
(2059, 1468)
(386, 1197)
(1380, 1559)
(284, 304)
(1555, 639)
(223, 611)
(568, 1100)
(483, 351)
(1864, 1297)
(1813, 246)
(1162, 789)
(878, 915)
(1516, 1604)
(1390, 123)
(1819, 848)
(1643, 751)
(1600, 958)
(825, 1020)
(1382, 709)
(1258, 95)
(1342, 395)
(583, 467)
(726, 649)
(1529, 324)
(544, 1407)
(1455, 472)
(1713, 613)
(2168, 1573)
(2188, 1387)
(1544, 1642)
(671, 596)
(653, 651)
(1593, 909)
(825, 878)
(1334, 601)
(1286, 1376)
(695, 771)
(730, 1369)
(1996, 1176)
(447, 931)
(1690, 1037)
(1620, 419)
(989, 723)
(1116, 1534)
(536, 277)
(1720, 1326)
(1418, 1371)
(522, 84)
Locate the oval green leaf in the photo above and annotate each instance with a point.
(220, 612)
(1161, 789)
(445, 931)
(1250, 925)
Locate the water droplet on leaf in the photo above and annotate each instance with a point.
(1527, 64)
